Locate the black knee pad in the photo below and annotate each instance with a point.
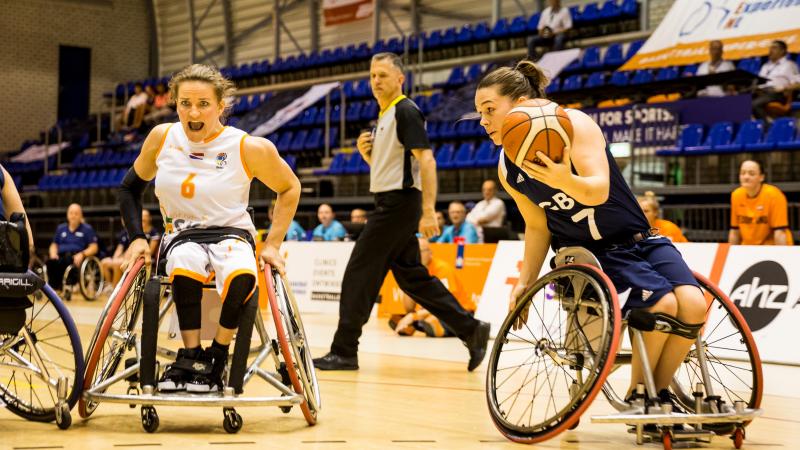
(187, 294)
(239, 292)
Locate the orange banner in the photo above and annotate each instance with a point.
(477, 261)
(697, 52)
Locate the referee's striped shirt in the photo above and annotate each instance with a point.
(400, 129)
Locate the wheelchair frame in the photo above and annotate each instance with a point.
(295, 379)
(715, 415)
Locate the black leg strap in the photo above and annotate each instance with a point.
(642, 320)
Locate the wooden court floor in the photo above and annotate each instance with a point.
(409, 393)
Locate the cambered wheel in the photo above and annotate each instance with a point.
(91, 278)
(542, 376)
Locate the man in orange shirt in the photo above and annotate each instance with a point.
(759, 215)
(418, 318)
(650, 207)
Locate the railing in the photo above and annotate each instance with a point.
(711, 222)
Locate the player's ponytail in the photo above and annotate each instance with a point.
(525, 79)
(650, 197)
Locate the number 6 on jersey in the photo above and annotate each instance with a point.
(187, 187)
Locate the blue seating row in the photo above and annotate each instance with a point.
(726, 137)
(89, 179)
(105, 158)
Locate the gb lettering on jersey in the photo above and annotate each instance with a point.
(563, 202)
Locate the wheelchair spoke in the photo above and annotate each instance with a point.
(724, 337)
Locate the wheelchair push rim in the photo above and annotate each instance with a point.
(128, 292)
(292, 341)
(579, 363)
(58, 346)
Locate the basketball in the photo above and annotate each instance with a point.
(536, 125)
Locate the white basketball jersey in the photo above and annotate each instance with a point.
(204, 184)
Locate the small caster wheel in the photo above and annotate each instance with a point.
(232, 422)
(149, 419)
(666, 439)
(133, 390)
(575, 425)
(738, 438)
(63, 417)
(286, 409)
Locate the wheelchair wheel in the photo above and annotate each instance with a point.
(114, 334)
(293, 344)
(734, 364)
(54, 341)
(91, 278)
(40, 270)
(543, 376)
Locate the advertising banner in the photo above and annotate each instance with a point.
(337, 12)
(745, 27)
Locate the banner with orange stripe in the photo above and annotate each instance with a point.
(746, 28)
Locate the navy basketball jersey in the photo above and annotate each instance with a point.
(572, 223)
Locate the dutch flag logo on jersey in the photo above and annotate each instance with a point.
(196, 155)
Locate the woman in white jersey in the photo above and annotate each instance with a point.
(202, 173)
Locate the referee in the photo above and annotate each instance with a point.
(403, 180)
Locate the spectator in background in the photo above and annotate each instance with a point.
(460, 228)
(358, 215)
(72, 243)
(294, 233)
(759, 214)
(418, 318)
(329, 229)
(780, 73)
(112, 270)
(554, 23)
(489, 212)
(651, 210)
(160, 107)
(134, 109)
(715, 65)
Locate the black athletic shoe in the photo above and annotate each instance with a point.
(476, 344)
(208, 378)
(175, 376)
(332, 361)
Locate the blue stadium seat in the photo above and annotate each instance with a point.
(689, 71)
(620, 78)
(369, 111)
(348, 88)
(291, 161)
(533, 23)
(314, 140)
(433, 130)
(554, 86)
(353, 165)
(361, 89)
(485, 154)
(474, 73)
(465, 156)
(433, 40)
(750, 132)
(721, 133)
(782, 130)
(591, 58)
(310, 116)
(333, 141)
(613, 56)
(691, 136)
(444, 157)
(573, 66)
(464, 35)
(481, 33)
(633, 48)
(790, 143)
(449, 38)
(456, 78)
(596, 79)
(519, 26)
(642, 76)
(630, 9)
(572, 83)
(447, 131)
(285, 141)
(353, 113)
(589, 14)
(610, 11)
(338, 163)
(500, 29)
(298, 141)
(667, 73)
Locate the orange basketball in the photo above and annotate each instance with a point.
(536, 125)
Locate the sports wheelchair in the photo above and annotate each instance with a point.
(90, 278)
(544, 375)
(41, 357)
(123, 353)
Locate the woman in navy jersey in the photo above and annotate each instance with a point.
(584, 201)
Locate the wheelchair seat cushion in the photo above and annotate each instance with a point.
(12, 314)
